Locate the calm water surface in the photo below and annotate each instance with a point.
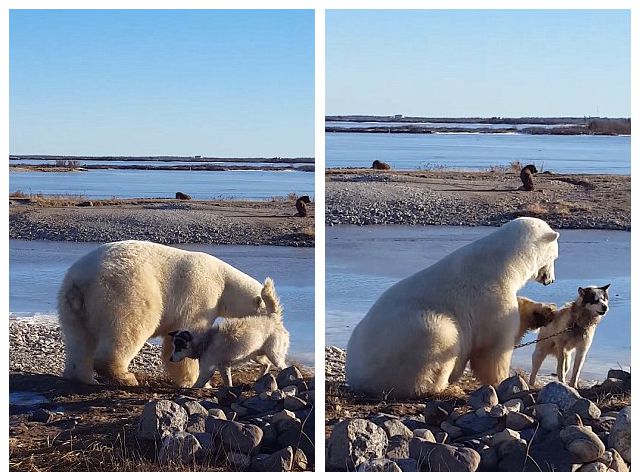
(362, 262)
(562, 154)
(101, 184)
(37, 267)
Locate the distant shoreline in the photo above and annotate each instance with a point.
(414, 125)
(196, 167)
(53, 157)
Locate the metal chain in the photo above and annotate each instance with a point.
(544, 339)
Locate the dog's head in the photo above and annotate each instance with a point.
(182, 345)
(594, 299)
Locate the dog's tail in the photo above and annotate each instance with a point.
(272, 303)
(79, 341)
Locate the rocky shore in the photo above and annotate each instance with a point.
(163, 221)
(367, 197)
(264, 425)
(472, 427)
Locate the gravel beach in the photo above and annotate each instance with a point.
(161, 221)
(367, 197)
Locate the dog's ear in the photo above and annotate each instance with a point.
(172, 334)
(605, 288)
(188, 336)
(580, 291)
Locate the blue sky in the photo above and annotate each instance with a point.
(478, 62)
(136, 82)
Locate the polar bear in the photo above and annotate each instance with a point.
(121, 294)
(420, 334)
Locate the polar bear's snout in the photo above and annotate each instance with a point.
(546, 275)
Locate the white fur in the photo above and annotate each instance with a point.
(420, 334)
(585, 318)
(234, 342)
(121, 294)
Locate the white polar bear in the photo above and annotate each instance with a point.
(121, 294)
(420, 334)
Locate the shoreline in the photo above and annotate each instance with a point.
(196, 167)
(165, 221)
(476, 198)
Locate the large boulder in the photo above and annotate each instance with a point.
(582, 443)
(178, 448)
(353, 442)
(511, 387)
(560, 394)
(620, 437)
(435, 456)
(160, 417)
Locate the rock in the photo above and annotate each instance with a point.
(560, 394)
(453, 431)
(237, 460)
(195, 424)
(515, 405)
(178, 448)
(288, 376)
(393, 427)
(441, 437)
(160, 417)
(549, 453)
(194, 408)
(619, 375)
(620, 437)
(294, 403)
(613, 460)
(518, 421)
(283, 415)
(498, 411)
(585, 408)
(473, 424)
(379, 465)
(353, 442)
(436, 412)
(256, 404)
(510, 387)
(435, 456)
(483, 396)
(228, 395)
(300, 461)
(239, 437)
(398, 447)
(582, 443)
(267, 383)
(407, 465)
(503, 436)
(277, 395)
(280, 461)
(290, 390)
(217, 413)
(489, 459)
(423, 433)
(42, 415)
(593, 467)
(548, 415)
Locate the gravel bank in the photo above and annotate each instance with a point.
(365, 197)
(165, 222)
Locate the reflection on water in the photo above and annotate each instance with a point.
(361, 262)
(561, 154)
(37, 267)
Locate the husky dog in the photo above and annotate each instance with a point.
(579, 318)
(263, 339)
(533, 315)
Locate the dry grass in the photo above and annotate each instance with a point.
(308, 231)
(557, 209)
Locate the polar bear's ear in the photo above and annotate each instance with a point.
(551, 237)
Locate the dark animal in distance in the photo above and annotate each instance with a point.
(527, 177)
(182, 196)
(300, 205)
(380, 165)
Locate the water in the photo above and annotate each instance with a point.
(37, 267)
(154, 163)
(362, 262)
(102, 184)
(561, 154)
(436, 124)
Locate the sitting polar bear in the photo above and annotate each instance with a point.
(420, 334)
(121, 294)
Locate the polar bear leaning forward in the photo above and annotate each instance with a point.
(420, 334)
(121, 294)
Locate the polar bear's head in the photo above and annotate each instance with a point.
(548, 251)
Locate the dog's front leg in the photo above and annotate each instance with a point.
(562, 364)
(226, 375)
(204, 377)
(580, 357)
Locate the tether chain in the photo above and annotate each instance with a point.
(544, 339)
